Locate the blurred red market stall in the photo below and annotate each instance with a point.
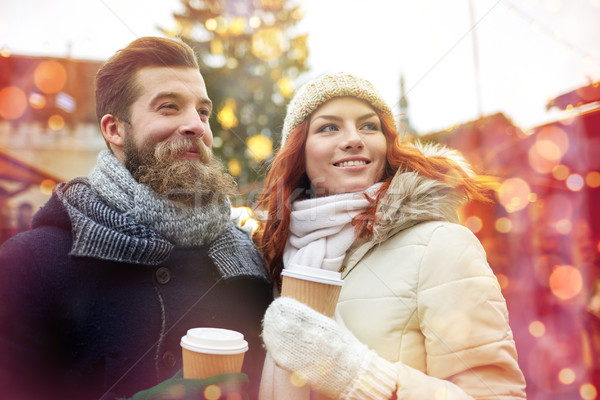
(542, 236)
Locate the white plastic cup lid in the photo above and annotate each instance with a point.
(214, 341)
(313, 274)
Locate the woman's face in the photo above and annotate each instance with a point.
(345, 147)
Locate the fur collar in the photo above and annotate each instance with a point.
(413, 198)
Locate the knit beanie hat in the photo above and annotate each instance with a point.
(314, 93)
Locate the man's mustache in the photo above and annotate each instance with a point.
(175, 149)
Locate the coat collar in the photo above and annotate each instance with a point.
(411, 199)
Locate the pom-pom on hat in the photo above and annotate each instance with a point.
(314, 93)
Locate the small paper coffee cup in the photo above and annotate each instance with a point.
(212, 351)
(317, 288)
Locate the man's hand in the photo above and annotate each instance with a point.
(224, 386)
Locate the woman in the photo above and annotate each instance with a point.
(420, 314)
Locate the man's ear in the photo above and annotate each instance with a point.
(112, 130)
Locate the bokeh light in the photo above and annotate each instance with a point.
(47, 186)
(237, 26)
(587, 391)
(553, 142)
(538, 162)
(260, 147)
(566, 376)
(226, 116)
(216, 46)
(503, 225)
(574, 182)
(13, 102)
(513, 194)
(565, 282)
(267, 44)
(286, 87)
(533, 197)
(537, 329)
(211, 24)
(474, 223)
(550, 146)
(56, 122)
(212, 392)
(50, 76)
(217, 142)
(297, 379)
(548, 150)
(234, 166)
(37, 101)
(592, 179)
(254, 22)
(561, 172)
(272, 4)
(564, 226)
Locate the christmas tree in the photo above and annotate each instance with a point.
(250, 55)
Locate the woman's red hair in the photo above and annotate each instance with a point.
(286, 181)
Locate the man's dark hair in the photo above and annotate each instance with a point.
(116, 85)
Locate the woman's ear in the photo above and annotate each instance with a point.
(112, 130)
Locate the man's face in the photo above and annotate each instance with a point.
(167, 141)
(173, 104)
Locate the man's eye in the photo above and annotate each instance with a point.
(171, 106)
(204, 112)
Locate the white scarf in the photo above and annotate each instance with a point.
(321, 230)
(320, 234)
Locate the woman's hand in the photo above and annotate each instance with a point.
(330, 358)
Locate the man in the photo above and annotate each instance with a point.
(118, 266)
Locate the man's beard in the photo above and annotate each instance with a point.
(192, 182)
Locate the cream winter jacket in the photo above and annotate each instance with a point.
(422, 295)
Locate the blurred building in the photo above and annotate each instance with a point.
(48, 129)
(542, 237)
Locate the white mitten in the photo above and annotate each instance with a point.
(333, 361)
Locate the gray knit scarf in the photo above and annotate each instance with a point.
(105, 225)
(182, 226)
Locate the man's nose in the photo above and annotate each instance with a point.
(192, 124)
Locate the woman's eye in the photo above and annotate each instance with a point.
(371, 126)
(328, 128)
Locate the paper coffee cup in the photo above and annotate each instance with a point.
(315, 287)
(212, 351)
